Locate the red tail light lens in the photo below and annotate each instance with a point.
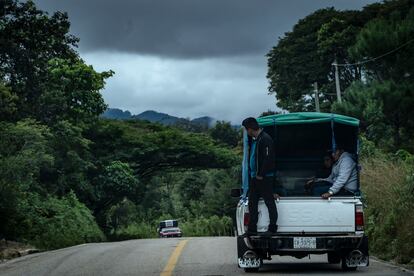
(246, 219)
(359, 218)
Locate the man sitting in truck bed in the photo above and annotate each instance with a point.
(320, 187)
(343, 179)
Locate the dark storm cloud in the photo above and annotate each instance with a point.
(188, 58)
(186, 28)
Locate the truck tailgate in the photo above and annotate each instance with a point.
(311, 215)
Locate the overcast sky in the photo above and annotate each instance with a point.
(187, 58)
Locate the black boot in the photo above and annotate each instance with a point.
(249, 233)
(272, 230)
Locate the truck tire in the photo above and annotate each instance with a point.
(345, 267)
(334, 258)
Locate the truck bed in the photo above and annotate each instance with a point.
(308, 215)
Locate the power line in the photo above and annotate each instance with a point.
(375, 58)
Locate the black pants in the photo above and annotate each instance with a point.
(321, 187)
(343, 192)
(261, 188)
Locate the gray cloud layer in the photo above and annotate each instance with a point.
(224, 88)
(186, 28)
(188, 58)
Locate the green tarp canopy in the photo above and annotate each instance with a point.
(306, 118)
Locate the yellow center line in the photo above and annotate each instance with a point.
(172, 262)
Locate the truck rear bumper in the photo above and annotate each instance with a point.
(352, 249)
(324, 244)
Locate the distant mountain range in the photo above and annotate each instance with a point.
(115, 113)
(157, 117)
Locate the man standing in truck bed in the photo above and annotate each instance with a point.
(261, 170)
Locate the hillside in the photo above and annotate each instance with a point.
(157, 117)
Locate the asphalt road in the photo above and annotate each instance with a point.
(184, 256)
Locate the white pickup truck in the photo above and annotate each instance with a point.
(306, 224)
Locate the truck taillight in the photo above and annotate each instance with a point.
(246, 219)
(359, 218)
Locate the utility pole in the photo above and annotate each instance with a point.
(338, 87)
(315, 86)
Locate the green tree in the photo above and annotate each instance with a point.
(191, 187)
(39, 64)
(385, 110)
(51, 222)
(29, 39)
(269, 112)
(216, 197)
(151, 149)
(24, 153)
(295, 63)
(305, 55)
(334, 39)
(382, 36)
(116, 183)
(72, 162)
(223, 132)
(384, 102)
(60, 163)
(72, 92)
(121, 214)
(7, 103)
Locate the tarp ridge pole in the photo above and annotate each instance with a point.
(274, 146)
(358, 165)
(333, 133)
(245, 168)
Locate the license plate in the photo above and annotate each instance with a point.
(304, 243)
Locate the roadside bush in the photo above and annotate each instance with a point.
(388, 187)
(121, 215)
(195, 227)
(52, 223)
(136, 230)
(212, 226)
(24, 153)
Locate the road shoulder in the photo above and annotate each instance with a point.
(403, 268)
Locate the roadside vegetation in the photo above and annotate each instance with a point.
(68, 176)
(387, 182)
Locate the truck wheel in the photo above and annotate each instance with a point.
(334, 258)
(251, 269)
(345, 267)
